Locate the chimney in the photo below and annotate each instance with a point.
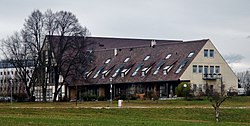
(115, 52)
(153, 43)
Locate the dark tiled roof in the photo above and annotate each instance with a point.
(136, 50)
(100, 43)
(179, 55)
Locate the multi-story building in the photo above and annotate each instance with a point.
(125, 67)
(10, 82)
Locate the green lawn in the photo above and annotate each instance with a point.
(160, 113)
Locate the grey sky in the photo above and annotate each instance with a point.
(225, 22)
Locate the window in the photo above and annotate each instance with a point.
(99, 71)
(127, 59)
(217, 69)
(206, 71)
(194, 68)
(200, 69)
(211, 54)
(211, 71)
(118, 69)
(138, 67)
(168, 56)
(183, 63)
(107, 61)
(205, 53)
(147, 57)
(190, 54)
(158, 67)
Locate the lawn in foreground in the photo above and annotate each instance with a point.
(149, 113)
(121, 116)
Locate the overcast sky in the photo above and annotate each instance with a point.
(225, 22)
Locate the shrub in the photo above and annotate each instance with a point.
(182, 91)
(101, 98)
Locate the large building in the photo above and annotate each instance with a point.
(141, 67)
(10, 81)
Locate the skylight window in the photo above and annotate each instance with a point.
(108, 60)
(168, 56)
(99, 71)
(158, 67)
(138, 67)
(147, 57)
(118, 69)
(127, 59)
(190, 54)
(181, 66)
(87, 74)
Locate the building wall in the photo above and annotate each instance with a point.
(49, 93)
(227, 77)
(9, 79)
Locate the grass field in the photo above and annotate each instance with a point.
(134, 113)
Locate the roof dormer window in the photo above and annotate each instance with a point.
(147, 57)
(167, 69)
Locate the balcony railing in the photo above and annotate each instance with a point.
(211, 76)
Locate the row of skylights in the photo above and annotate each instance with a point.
(124, 71)
(109, 59)
(144, 71)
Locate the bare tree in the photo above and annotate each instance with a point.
(244, 78)
(216, 99)
(34, 34)
(68, 52)
(17, 52)
(29, 45)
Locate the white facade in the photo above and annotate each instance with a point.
(49, 93)
(9, 79)
(210, 69)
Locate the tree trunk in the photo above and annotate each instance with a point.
(44, 90)
(217, 113)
